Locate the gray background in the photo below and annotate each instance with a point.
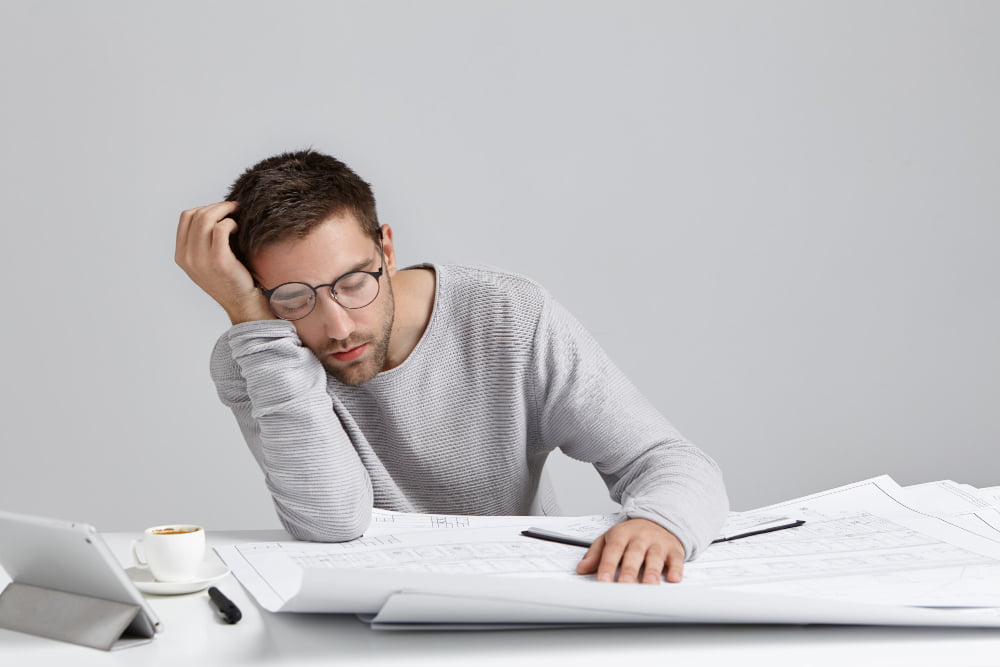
(780, 218)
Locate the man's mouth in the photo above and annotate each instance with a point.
(351, 354)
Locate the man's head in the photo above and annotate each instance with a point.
(307, 218)
(286, 196)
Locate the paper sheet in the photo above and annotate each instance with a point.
(863, 542)
(991, 494)
(641, 605)
(394, 523)
(273, 571)
(971, 508)
(868, 542)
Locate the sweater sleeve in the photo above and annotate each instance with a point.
(592, 412)
(297, 431)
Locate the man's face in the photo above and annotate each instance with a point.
(351, 344)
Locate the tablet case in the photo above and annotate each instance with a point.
(66, 585)
(69, 617)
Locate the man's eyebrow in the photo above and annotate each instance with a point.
(358, 266)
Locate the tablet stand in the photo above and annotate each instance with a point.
(66, 616)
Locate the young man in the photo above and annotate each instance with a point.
(429, 389)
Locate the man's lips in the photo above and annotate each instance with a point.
(351, 354)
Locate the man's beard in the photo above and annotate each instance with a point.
(354, 374)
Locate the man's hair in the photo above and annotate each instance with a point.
(288, 195)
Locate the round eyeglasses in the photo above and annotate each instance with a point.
(293, 301)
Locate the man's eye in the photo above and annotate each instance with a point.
(296, 301)
(292, 296)
(351, 283)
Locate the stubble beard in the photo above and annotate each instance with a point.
(355, 374)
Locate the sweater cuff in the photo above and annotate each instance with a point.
(682, 531)
(261, 328)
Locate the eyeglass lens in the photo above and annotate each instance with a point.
(293, 301)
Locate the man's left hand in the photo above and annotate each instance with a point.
(632, 545)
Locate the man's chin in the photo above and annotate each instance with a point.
(352, 376)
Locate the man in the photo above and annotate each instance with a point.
(428, 389)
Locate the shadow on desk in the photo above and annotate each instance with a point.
(303, 638)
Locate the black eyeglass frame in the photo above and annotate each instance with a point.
(377, 275)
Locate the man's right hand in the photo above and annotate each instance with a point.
(203, 252)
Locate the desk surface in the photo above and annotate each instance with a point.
(193, 635)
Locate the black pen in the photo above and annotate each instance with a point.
(230, 612)
(793, 524)
(541, 534)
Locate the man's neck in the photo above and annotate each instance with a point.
(413, 293)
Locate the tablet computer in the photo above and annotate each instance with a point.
(72, 558)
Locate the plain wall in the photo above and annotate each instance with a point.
(779, 218)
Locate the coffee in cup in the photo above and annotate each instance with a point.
(174, 530)
(172, 552)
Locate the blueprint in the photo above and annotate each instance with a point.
(872, 541)
(868, 543)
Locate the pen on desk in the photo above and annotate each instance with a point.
(730, 538)
(230, 612)
(548, 535)
(542, 534)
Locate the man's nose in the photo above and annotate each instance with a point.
(337, 321)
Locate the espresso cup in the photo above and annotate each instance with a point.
(173, 552)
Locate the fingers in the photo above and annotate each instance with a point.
(196, 227)
(614, 548)
(655, 558)
(203, 251)
(631, 560)
(200, 231)
(588, 564)
(675, 567)
(637, 550)
(221, 231)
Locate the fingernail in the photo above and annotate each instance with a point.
(604, 577)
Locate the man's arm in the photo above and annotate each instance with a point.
(276, 388)
(671, 491)
(296, 431)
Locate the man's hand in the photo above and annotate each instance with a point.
(203, 252)
(635, 544)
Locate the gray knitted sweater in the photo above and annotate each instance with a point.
(501, 376)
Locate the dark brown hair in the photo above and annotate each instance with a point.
(288, 195)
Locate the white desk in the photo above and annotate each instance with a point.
(194, 635)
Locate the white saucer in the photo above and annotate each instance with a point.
(208, 572)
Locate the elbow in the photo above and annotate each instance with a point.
(340, 528)
(343, 524)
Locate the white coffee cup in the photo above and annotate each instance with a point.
(173, 552)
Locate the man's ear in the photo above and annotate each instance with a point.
(388, 249)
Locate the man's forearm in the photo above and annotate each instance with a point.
(589, 409)
(679, 487)
(277, 391)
